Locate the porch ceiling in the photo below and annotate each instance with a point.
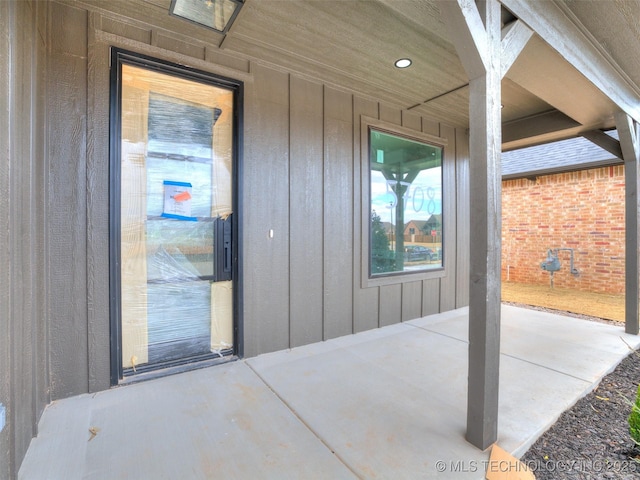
(354, 43)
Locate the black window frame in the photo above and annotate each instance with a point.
(120, 57)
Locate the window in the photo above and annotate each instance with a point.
(405, 200)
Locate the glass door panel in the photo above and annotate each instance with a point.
(176, 159)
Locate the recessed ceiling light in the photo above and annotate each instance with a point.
(403, 63)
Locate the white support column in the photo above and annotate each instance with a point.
(630, 144)
(478, 43)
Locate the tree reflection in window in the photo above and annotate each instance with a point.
(406, 204)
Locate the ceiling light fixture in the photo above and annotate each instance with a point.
(217, 15)
(403, 63)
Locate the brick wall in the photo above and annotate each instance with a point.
(581, 210)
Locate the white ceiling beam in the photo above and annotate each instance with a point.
(552, 23)
(514, 38)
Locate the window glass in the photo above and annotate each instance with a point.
(406, 204)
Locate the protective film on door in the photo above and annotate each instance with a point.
(175, 212)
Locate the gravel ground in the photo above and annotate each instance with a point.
(591, 440)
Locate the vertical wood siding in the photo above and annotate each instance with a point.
(325, 297)
(305, 186)
(24, 381)
(338, 214)
(265, 203)
(302, 179)
(67, 200)
(97, 211)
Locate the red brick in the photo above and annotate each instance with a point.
(566, 218)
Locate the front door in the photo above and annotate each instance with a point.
(173, 158)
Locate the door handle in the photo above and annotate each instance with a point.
(228, 246)
(227, 256)
(224, 249)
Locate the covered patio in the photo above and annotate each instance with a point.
(385, 403)
(311, 82)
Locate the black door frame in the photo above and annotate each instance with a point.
(118, 58)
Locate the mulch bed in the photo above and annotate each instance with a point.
(591, 440)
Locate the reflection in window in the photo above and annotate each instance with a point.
(406, 204)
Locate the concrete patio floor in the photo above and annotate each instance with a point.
(388, 403)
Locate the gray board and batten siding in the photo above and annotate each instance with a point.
(26, 249)
(301, 176)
